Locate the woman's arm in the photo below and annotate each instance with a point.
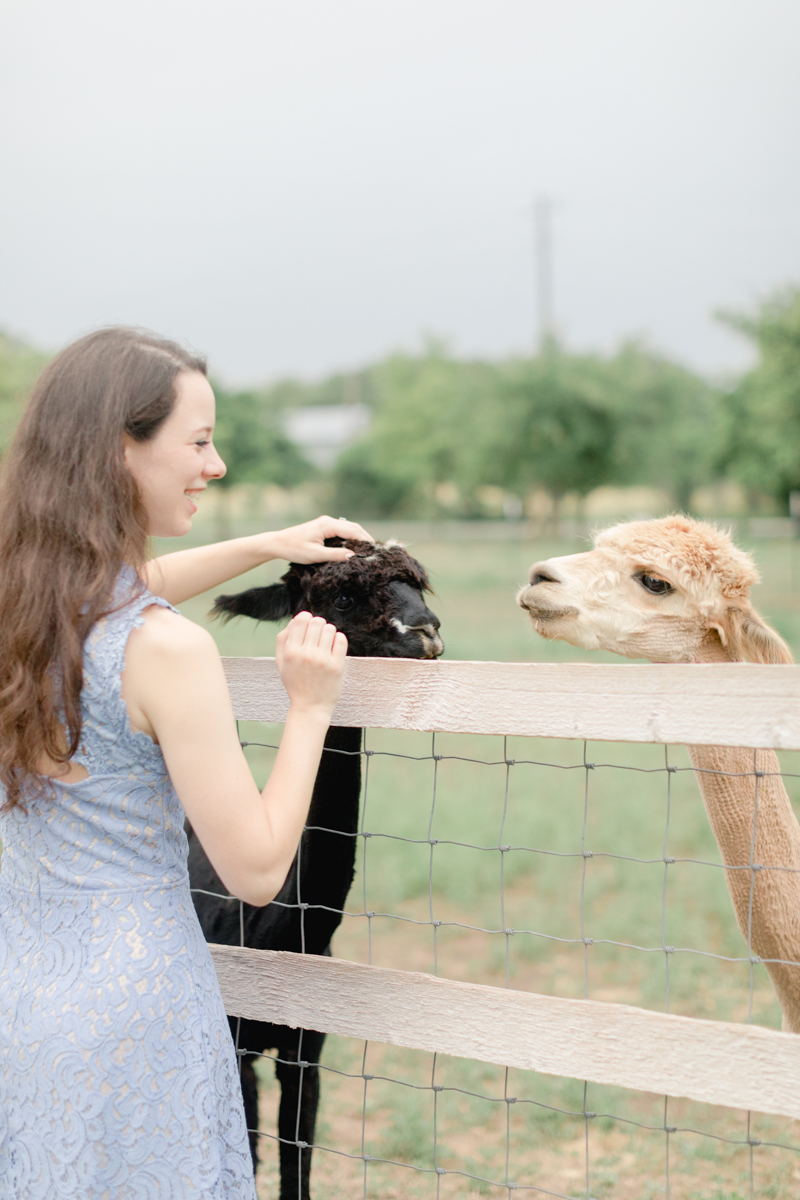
(175, 690)
(186, 573)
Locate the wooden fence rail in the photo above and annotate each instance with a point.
(729, 704)
(741, 1066)
(725, 704)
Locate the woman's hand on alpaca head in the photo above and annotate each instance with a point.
(186, 573)
(310, 655)
(306, 543)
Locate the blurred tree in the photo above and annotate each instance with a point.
(560, 421)
(571, 423)
(249, 437)
(20, 366)
(421, 435)
(353, 387)
(669, 427)
(762, 414)
(253, 446)
(554, 428)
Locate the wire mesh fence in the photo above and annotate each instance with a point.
(564, 868)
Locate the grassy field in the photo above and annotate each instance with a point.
(551, 896)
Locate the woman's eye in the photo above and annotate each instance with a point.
(342, 602)
(205, 443)
(659, 587)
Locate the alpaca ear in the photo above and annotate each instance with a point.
(747, 637)
(261, 603)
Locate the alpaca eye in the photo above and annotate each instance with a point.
(342, 602)
(659, 587)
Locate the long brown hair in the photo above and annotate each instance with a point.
(70, 516)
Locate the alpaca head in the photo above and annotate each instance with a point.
(375, 598)
(669, 590)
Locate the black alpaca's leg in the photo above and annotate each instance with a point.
(250, 1096)
(297, 1116)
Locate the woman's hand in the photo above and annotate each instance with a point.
(310, 654)
(306, 543)
(187, 573)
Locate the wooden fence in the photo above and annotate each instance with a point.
(741, 1066)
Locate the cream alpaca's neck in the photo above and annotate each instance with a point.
(711, 649)
(766, 902)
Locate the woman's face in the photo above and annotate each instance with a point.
(175, 466)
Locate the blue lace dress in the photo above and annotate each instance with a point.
(117, 1072)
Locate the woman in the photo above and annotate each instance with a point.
(117, 1073)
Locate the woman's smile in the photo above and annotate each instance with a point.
(191, 495)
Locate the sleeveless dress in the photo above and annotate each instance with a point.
(118, 1076)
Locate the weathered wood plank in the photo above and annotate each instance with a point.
(736, 704)
(740, 1066)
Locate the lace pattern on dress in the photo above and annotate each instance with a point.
(118, 1076)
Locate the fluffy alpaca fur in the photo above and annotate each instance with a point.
(677, 590)
(698, 555)
(376, 598)
(597, 599)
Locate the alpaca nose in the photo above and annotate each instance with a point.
(428, 629)
(544, 572)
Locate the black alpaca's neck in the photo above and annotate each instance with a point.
(326, 861)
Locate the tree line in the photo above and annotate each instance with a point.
(445, 429)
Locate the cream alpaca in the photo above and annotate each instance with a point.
(677, 590)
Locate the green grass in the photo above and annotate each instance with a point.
(548, 889)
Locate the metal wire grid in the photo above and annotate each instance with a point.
(584, 1114)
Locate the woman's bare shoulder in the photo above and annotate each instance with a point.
(171, 666)
(171, 635)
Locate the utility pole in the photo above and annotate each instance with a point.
(543, 248)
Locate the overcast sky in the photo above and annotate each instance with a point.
(301, 186)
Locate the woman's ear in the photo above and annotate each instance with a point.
(747, 637)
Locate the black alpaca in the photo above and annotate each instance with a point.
(376, 598)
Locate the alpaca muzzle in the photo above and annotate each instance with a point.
(432, 644)
(540, 606)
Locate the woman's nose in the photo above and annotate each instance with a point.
(214, 467)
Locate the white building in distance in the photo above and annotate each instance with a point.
(323, 430)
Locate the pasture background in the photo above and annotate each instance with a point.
(475, 584)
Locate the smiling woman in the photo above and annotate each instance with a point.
(115, 723)
(172, 469)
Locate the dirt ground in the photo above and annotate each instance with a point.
(541, 1142)
(623, 1162)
